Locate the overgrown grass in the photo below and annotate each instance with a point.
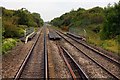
(94, 38)
(8, 44)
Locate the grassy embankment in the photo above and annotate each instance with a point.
(99, 25)
(94, 38)
(14, 23)
(9, 43)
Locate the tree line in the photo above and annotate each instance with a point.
(15, 21)
(108, 17)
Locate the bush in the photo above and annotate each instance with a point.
(111, 26)
(11, 30)
(8, 44)
(15, 21)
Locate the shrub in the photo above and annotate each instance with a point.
(12, 30)
(8, 44)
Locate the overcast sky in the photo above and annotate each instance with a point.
(50, 9)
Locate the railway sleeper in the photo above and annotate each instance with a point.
(53, 36)
(76, 36)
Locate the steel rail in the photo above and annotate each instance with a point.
(67, 63)
(18, 74)
(82, 74)
(114, 76)
(95, 50)
(45, 55)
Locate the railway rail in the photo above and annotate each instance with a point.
(91, 58)
(36, 61)
(95, 50)
(45, 55)
(32, 60)
(75, 69)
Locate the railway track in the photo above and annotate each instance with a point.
(93, 49)
(75, 69)
(45, 55)
(35, 63)
(113, 72)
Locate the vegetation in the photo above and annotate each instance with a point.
(14, 23)
(14, 19)
(100, 26)
(8, 44)
(111, 28)
(0, 31)
(80, 18)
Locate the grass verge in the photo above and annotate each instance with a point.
(94, 38)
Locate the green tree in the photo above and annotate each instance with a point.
(23, 17)
(13, 19)
(37, 19)
(111, 26)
